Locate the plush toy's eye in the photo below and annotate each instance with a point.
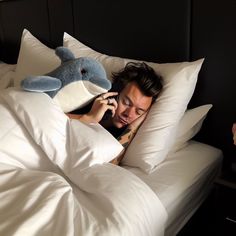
(83, 71)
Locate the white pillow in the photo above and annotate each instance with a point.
(5, 68)
(189, 126)
(34, 58)
(152, 142)
(7, 72)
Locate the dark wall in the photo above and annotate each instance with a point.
(214, 37)
(45, 19)
(150, 30)
(154, 30)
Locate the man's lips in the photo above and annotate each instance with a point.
(124, 122)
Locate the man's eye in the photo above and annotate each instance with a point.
(126, 102)
(139, 113)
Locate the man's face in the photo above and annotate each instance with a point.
(132, 103)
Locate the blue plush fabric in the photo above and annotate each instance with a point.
(71, 70)
(42, 83)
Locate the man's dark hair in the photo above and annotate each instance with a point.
(148, 81)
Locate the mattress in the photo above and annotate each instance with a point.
(183, 181)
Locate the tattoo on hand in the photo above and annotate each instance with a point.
(125, 137)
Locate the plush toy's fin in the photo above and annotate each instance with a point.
(40, 83)
(64, 54)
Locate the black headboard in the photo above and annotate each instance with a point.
(153, 30)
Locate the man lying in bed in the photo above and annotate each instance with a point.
(136, 87)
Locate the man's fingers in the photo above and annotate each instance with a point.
(106, 95)
(110, 102)
(112, 108)
(234, 127)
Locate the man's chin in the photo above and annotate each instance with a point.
(118, 125)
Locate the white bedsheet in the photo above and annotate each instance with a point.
(6, 74)
(40, 196)
(183, 181)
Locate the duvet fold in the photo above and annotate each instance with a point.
(48, 186)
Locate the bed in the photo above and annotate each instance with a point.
(44, 189)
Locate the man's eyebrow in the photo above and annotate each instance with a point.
(129, 99)
(139, 108)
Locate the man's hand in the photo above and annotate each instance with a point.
(74, 116)
(100, 106)
(138, 122)
(126, 137)
(234, 133)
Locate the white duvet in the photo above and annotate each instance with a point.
(55, 179)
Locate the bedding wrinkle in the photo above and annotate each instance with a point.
(101, 184)
(183, 181)
(17, 148)
(32, 199)
(57, 180)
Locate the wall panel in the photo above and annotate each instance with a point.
(150, 30)
(214, 37)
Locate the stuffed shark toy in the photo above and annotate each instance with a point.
(73, 84)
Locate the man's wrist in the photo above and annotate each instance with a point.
(133, 129)
(88, 119)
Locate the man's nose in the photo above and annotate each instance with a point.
(129, 112)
